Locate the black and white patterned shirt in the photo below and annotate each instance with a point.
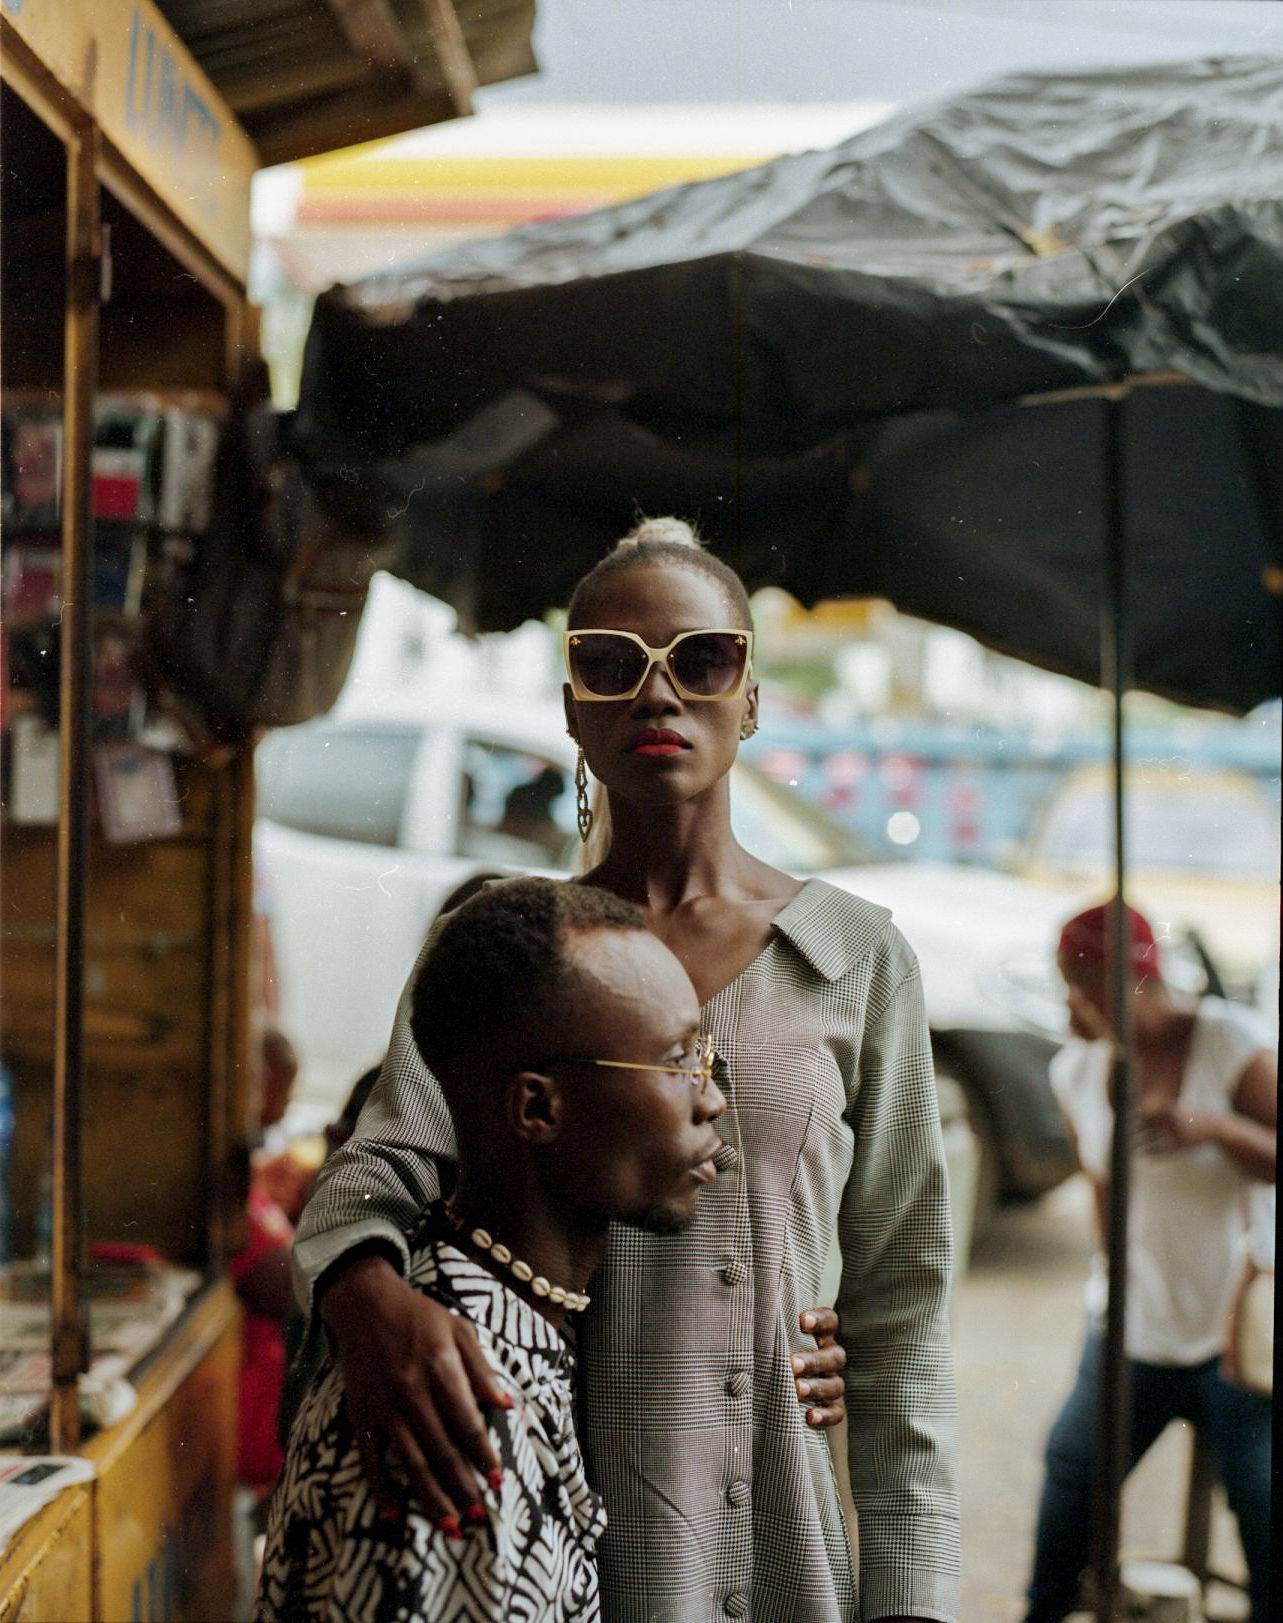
(722, 1501)
(333, 1557)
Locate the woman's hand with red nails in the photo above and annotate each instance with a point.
(416, 1381)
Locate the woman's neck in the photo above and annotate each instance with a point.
(662, 856)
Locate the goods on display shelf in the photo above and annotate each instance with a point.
(27, 1485)
(153, 463)
(32, 464)
(132, 1302)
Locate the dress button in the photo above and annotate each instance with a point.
(737, 1383)
(737, 1604)
(733, 1271)
(738, 1494)
(727, 1158)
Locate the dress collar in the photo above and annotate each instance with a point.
(833, 929)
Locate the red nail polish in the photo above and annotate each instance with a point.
(449, 1525)
(495, 1479)
(475, 1513)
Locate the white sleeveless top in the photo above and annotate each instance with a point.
(1187, 1233)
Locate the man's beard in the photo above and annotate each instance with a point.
(657, 1220)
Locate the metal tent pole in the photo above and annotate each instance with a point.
(1113, 1417)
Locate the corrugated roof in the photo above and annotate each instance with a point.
(307, 76)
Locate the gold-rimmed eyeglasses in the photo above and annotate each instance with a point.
(700, 1074)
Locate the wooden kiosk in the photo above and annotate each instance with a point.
(125, 860)
(126, 966)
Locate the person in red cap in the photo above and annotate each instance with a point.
(1203, 1166)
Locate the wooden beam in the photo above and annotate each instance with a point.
(123, 181)
(361, 107)
(84, 269)
(372, 107)
(364, 113)
(376, 35)
(273, 87)
(372, 30)
(452, 53)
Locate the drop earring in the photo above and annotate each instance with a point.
(583, 809)
(747, 727)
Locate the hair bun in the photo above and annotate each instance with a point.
(673, 532)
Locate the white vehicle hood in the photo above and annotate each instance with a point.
(985, 941)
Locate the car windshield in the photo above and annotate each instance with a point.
(775, 824)
(1192, 825)
(348, 783)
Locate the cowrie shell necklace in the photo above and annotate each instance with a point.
(572, 1301)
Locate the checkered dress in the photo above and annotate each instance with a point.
(721, 1500)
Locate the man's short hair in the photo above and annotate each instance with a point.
(499, 969)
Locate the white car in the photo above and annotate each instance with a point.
(366, 823)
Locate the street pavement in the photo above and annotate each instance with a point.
(1018, 1325)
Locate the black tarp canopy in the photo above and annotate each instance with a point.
(828, 361)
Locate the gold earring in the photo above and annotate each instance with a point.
(747, 727)
(583, 810)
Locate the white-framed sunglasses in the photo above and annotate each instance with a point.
(706, 664)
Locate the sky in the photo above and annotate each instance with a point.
(844, 50)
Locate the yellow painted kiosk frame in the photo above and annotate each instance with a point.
(126, 968)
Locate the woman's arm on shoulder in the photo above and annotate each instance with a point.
(894, 1232)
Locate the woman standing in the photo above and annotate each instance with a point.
(718, 1485)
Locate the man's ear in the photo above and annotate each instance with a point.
(533, 1107)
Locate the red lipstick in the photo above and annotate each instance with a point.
(658, 741)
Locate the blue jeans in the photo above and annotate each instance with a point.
(1238, 1424)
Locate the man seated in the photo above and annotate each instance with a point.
(566, 1040)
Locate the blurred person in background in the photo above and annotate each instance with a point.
(278, 1073)
(305, 1352)
(709, 1372)
(260, 1273)
(279, 1176)
(1203, 1165)
(271, 1195)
